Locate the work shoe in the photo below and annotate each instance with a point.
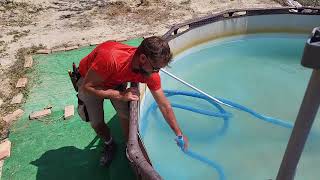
(108, 152)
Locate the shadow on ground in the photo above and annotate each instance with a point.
(70, 162)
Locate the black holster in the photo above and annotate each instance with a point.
(74, 76)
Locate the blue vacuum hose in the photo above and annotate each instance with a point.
(222, 114)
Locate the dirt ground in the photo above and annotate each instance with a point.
(27, 25)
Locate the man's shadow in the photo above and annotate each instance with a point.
(72, 163)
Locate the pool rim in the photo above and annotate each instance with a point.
(136, 152)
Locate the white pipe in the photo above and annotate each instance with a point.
(194, 88)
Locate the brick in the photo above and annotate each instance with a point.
(5, 149)
(94, 43)
(9, 118)
(68, 111)
(58, 49)
(84, 44)
(22, 82)
(44, 51)
(17, 99)
(39, 114)
(1, 165)
(28, 61)
(71, 48)
(122, 40)
(13, 116)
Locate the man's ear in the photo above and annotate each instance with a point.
(142, 58)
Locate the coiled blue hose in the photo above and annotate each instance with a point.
(231, 104)
(222, 114)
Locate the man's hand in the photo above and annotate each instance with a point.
(186, 142)
(130, 94)
(182, 141)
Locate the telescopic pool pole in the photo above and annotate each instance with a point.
(194, 88)
(307, 112)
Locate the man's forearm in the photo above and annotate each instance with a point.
(103, 93)
(168, 114)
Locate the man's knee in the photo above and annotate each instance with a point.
(123, 115)
(97, 125)
(122, 109)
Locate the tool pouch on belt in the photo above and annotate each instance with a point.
(74, 76)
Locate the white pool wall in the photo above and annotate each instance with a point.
(286, 23)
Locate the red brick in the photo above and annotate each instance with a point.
(17, 99)
(5, 149)
(39, 114)
(22, 82)
(13, 116)
(94, 43)
(58, 49)
(44, 51)
(28, 61)
(68, 111)
(71, 48)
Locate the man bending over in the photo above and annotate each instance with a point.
(104, 75)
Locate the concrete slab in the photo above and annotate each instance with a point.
(68, 111)
(71, 48)
(39, 114)
(95, 43)
(13, 116)
(1, 165)
(44, 51)
(17, 99)
(5, 149)
(58, 49)
(28, 61)
(22, 82)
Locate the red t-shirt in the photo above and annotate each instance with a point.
(112, 62)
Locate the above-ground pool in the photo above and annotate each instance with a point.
(259, 71)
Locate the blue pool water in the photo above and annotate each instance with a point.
(260, 71)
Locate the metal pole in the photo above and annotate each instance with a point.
(307, 112)
(302, 126)
(194, 88)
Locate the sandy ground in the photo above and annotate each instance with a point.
(26, 25)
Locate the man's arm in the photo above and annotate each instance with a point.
(93, 85)
(167, 112)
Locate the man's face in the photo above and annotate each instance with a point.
(147, 66)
